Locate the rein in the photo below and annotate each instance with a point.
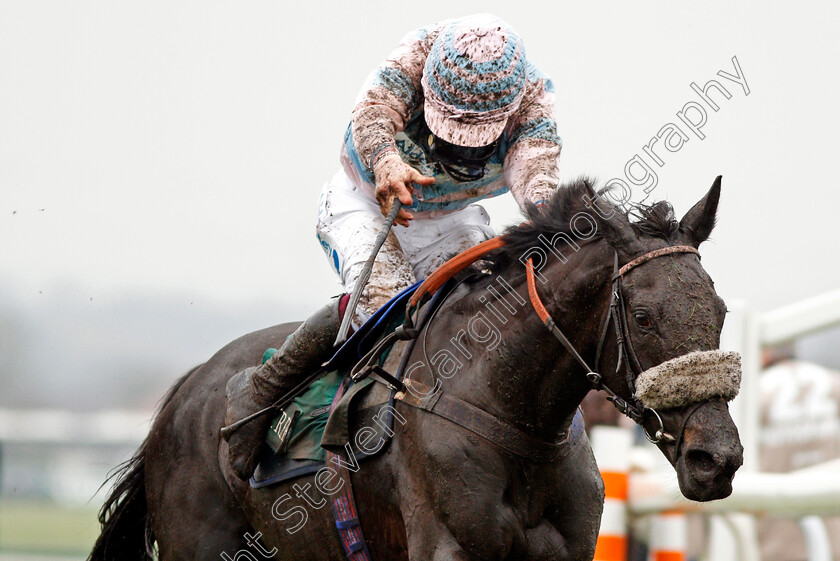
(435, 401)
(617, 315)
(486, 425)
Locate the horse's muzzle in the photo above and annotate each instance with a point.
(710, 453)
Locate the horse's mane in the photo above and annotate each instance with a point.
(653, 220)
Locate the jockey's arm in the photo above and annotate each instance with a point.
(531, 163)
(390, 96)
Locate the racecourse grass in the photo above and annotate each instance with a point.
(47, 528)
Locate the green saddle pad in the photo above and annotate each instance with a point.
(306, 418)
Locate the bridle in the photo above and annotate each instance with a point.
(616, 315)
(486, 425)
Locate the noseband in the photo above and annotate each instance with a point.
(627, 359)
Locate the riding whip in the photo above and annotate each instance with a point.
(342, 332)
(363, 278)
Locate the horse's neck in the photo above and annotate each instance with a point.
(512, 366)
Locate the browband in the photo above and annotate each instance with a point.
(657, 253)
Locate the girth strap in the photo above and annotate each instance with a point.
(344, 507)
(482, 423)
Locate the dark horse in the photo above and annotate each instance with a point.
(438, 491)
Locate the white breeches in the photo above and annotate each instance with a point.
(348, 222)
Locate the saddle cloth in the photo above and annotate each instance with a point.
(305, 419)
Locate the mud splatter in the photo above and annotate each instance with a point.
(391, 274)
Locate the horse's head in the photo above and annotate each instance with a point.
(670, 366)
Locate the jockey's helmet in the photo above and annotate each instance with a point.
(473, 80)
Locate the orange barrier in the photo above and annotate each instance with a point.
(668, 537)
(611, 446)
(611, 548)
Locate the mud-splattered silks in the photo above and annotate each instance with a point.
(455, 75)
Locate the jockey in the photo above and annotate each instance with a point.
(456, 114)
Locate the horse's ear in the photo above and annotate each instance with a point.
(698, 222)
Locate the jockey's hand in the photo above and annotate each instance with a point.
(393, 181)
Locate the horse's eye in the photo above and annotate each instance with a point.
(642, 319)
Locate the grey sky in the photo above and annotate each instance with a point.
(181, 146)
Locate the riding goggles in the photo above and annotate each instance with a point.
(462, 163)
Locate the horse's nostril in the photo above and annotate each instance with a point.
(701, 461)
(733, 462)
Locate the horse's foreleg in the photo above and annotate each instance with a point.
(451, 501)
(577, 514)
(430, 540)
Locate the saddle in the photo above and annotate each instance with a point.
(315, 421)
(340, 403)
